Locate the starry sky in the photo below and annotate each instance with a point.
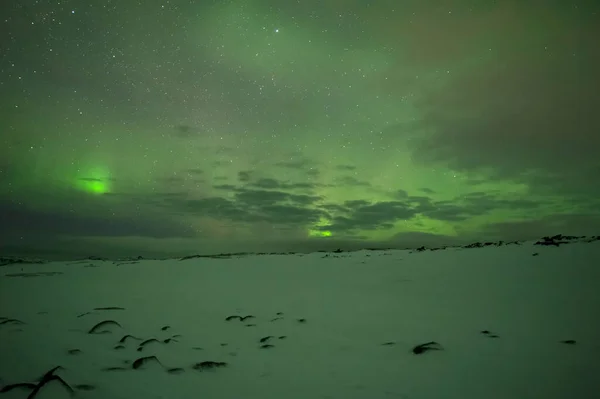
(161, 128)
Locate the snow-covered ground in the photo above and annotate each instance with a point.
(341, 325)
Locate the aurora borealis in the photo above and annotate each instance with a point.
(173, 127)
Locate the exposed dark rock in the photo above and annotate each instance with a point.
(14, 322)
(147, 342)
(568, 342)
(99, 328)
(142, 361)
(129, 337)
(48, 377)
(33, 274)
(175, 370)
(422, 348)
(208, 365)
(19, 385)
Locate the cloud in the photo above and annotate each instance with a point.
(96, 220)
(351, 181)
(363, 215)
(347, 168)
(244, 176)
(298, 164)
(195, 171)
(531, 117)
(568, 224)
(185, 132)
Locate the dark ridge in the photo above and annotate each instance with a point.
(265, 339)
(137, 363)
(568, 342)
(277, 318)
(126, 263)
(32, 274)
(229, 318)
(152, 340)
(146, 342)
(267, 346)
(119, 347)
(74, 351)
(190, 257)
(250, 325)
(535, 254)
(19, 385)
(105, 323)
(556, 240)
(96, 258)
(10, 260)
(422, 348)
(197, 348)
(244, 318)
(165, 328)
(282, 337)
(224, 344)
(214, 256)
(489, 334)
(11, 321)
(279, 314)
(110, 308)
(175, 370)
(49, 373)
(388, 343)
(84, 314)
(48, 377)
(208, 365)
(301, 320)
(125, 337)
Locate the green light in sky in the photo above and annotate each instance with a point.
(94, 180)
(320, 233)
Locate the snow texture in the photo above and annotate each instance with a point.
(489, 321)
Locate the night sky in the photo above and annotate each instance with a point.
(160, 128)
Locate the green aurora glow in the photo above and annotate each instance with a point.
(258, 125)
